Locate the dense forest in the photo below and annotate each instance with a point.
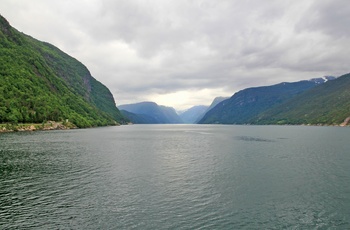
(326, 104)
(244, 105)
(39, 82)
(319, 101)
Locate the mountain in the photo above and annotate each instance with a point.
(326, 104)
(243, 106)
(139, 118)
(191, 115)
(150, 113)
(39, 82)
(216, 101)
(171, 115)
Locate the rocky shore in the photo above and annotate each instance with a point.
(49, 125)
(346, 122)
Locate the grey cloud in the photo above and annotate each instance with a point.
(329, 16)
(138, 48)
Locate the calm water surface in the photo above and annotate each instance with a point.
(176, 177)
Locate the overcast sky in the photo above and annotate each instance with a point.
(182, 53)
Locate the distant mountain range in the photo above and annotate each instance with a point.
(150, 113)
(216, 101)
(245, 106)
(39, 82)
(191, 115)
(319, 101)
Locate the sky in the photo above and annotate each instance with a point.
(187, 52)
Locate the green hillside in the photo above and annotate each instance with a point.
(39, 82)
(244, 105)
(326, 104)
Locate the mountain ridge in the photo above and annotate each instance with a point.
(326, 104)
(39, 82)
(160, 114)
(191, 115)
(216, 101)
(244, 105)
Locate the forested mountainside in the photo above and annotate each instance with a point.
(39, 82)
(150, 113)
(326, 104)
(246, 104)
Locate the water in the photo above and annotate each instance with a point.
(176, 177)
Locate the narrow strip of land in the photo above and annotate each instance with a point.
(49, 125)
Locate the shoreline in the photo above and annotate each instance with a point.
(53, 125)
(23, 127)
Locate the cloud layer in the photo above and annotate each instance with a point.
(186, 52)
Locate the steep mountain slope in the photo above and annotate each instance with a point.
(248, 103)
(139, 118)
(39, 82)
(216, 101)
(159, 114)
(171, 115)
(191, 115)
(326, 104)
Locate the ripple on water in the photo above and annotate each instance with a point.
(176, 177)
